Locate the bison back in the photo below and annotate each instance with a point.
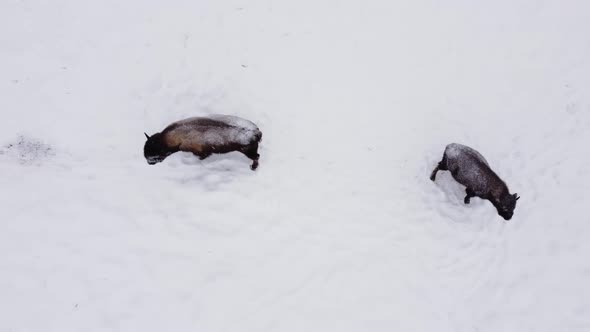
(212, 134)
(470, 168)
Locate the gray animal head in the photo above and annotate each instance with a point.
(154, 150)
(505, 205)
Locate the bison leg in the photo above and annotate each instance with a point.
(440, 167)
(470, 194)
(433, 174)
(251, 151)
(254, 165)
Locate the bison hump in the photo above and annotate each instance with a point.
(455, 150)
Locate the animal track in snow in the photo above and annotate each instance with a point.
(27, 150)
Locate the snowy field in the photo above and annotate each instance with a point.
(340, 228)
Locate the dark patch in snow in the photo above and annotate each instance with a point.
(27, 150)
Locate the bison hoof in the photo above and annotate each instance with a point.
(467, 200)
(254, 165)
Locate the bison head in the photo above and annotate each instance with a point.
(155, 150)
(506, 204)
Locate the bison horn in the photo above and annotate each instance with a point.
(517, 198)
(146, 136)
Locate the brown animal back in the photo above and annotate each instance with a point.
(205, 134)
(472, 170)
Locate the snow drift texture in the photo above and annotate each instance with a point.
(340, 228)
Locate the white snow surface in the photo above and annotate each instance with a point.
(340, 228)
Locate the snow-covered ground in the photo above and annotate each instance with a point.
(340, 228)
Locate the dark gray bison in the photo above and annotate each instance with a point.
(204, 136)
(471, 169)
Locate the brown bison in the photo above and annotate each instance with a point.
(204, 136)
(470, 169)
